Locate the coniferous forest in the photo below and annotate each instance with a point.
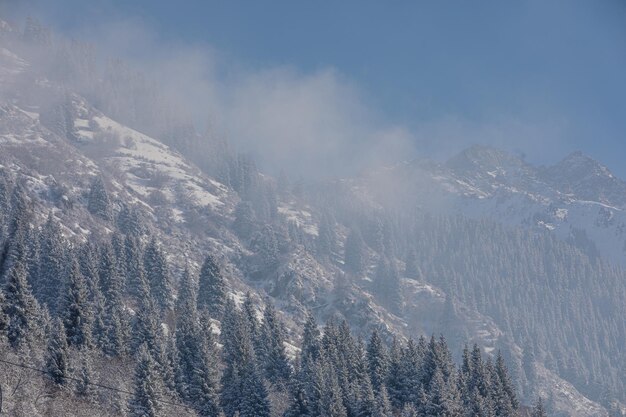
(100, 323)
(150, 269)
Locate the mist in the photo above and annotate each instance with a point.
(320, 121)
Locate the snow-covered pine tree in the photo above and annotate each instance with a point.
(57, 354)
(51, 267)
(75, 309)
(211, 288)
(377, 361)
(20, 307)
(146, 390)
(384, 405)
(502, 391)
(136, 274)
(98, 202)
(129, 221)
(158, 275)
(147, 327)
(310, 350)
(84, 375)
(276, 364)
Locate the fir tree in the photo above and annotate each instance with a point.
(147, 328)
(502, 389)
(310, 341)
(135, 271)
(144, 402)
(211, 288)
(98, 202)
(76, 309)
(254, 396)
(4, 319)
(384, 405)
(51, 270)
(84, 376)
(57, 356)
(377, 361)
(20, 307)
(129, 221)
(276, 365)
(158, 276)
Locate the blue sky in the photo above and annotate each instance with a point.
(539, 77)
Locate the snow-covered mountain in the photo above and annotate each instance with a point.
(578, 199)
(55, 142)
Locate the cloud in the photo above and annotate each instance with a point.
(315, 124)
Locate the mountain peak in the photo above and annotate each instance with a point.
(482, 159)
(578, 165)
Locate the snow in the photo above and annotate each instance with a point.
(142, 150)
(561, 214)
(302, 218)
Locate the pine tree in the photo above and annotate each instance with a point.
(98, 202)
(211, 288)
(136, 273)
(250, 315)
(265, 244)
(254, 396)
(4, 319)
(147, 328)
(76, 309)
(203, 387)
(84, 376)
(158, 276)
(144, 402)
(187, 291)
(384, 405)
(20, 307)
(409, 410)
(502, 389)
(310, 341)
(411, 372)
(243, 390)
(57, 355)
(116, 332)
(277, 367)
(367, 404)
(442, 398)
(15, 247)
(51, 269)
(377, 361)
(129, 221)
(395, 380)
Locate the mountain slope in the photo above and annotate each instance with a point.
(56, 142)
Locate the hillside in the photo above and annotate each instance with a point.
(479, 248)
